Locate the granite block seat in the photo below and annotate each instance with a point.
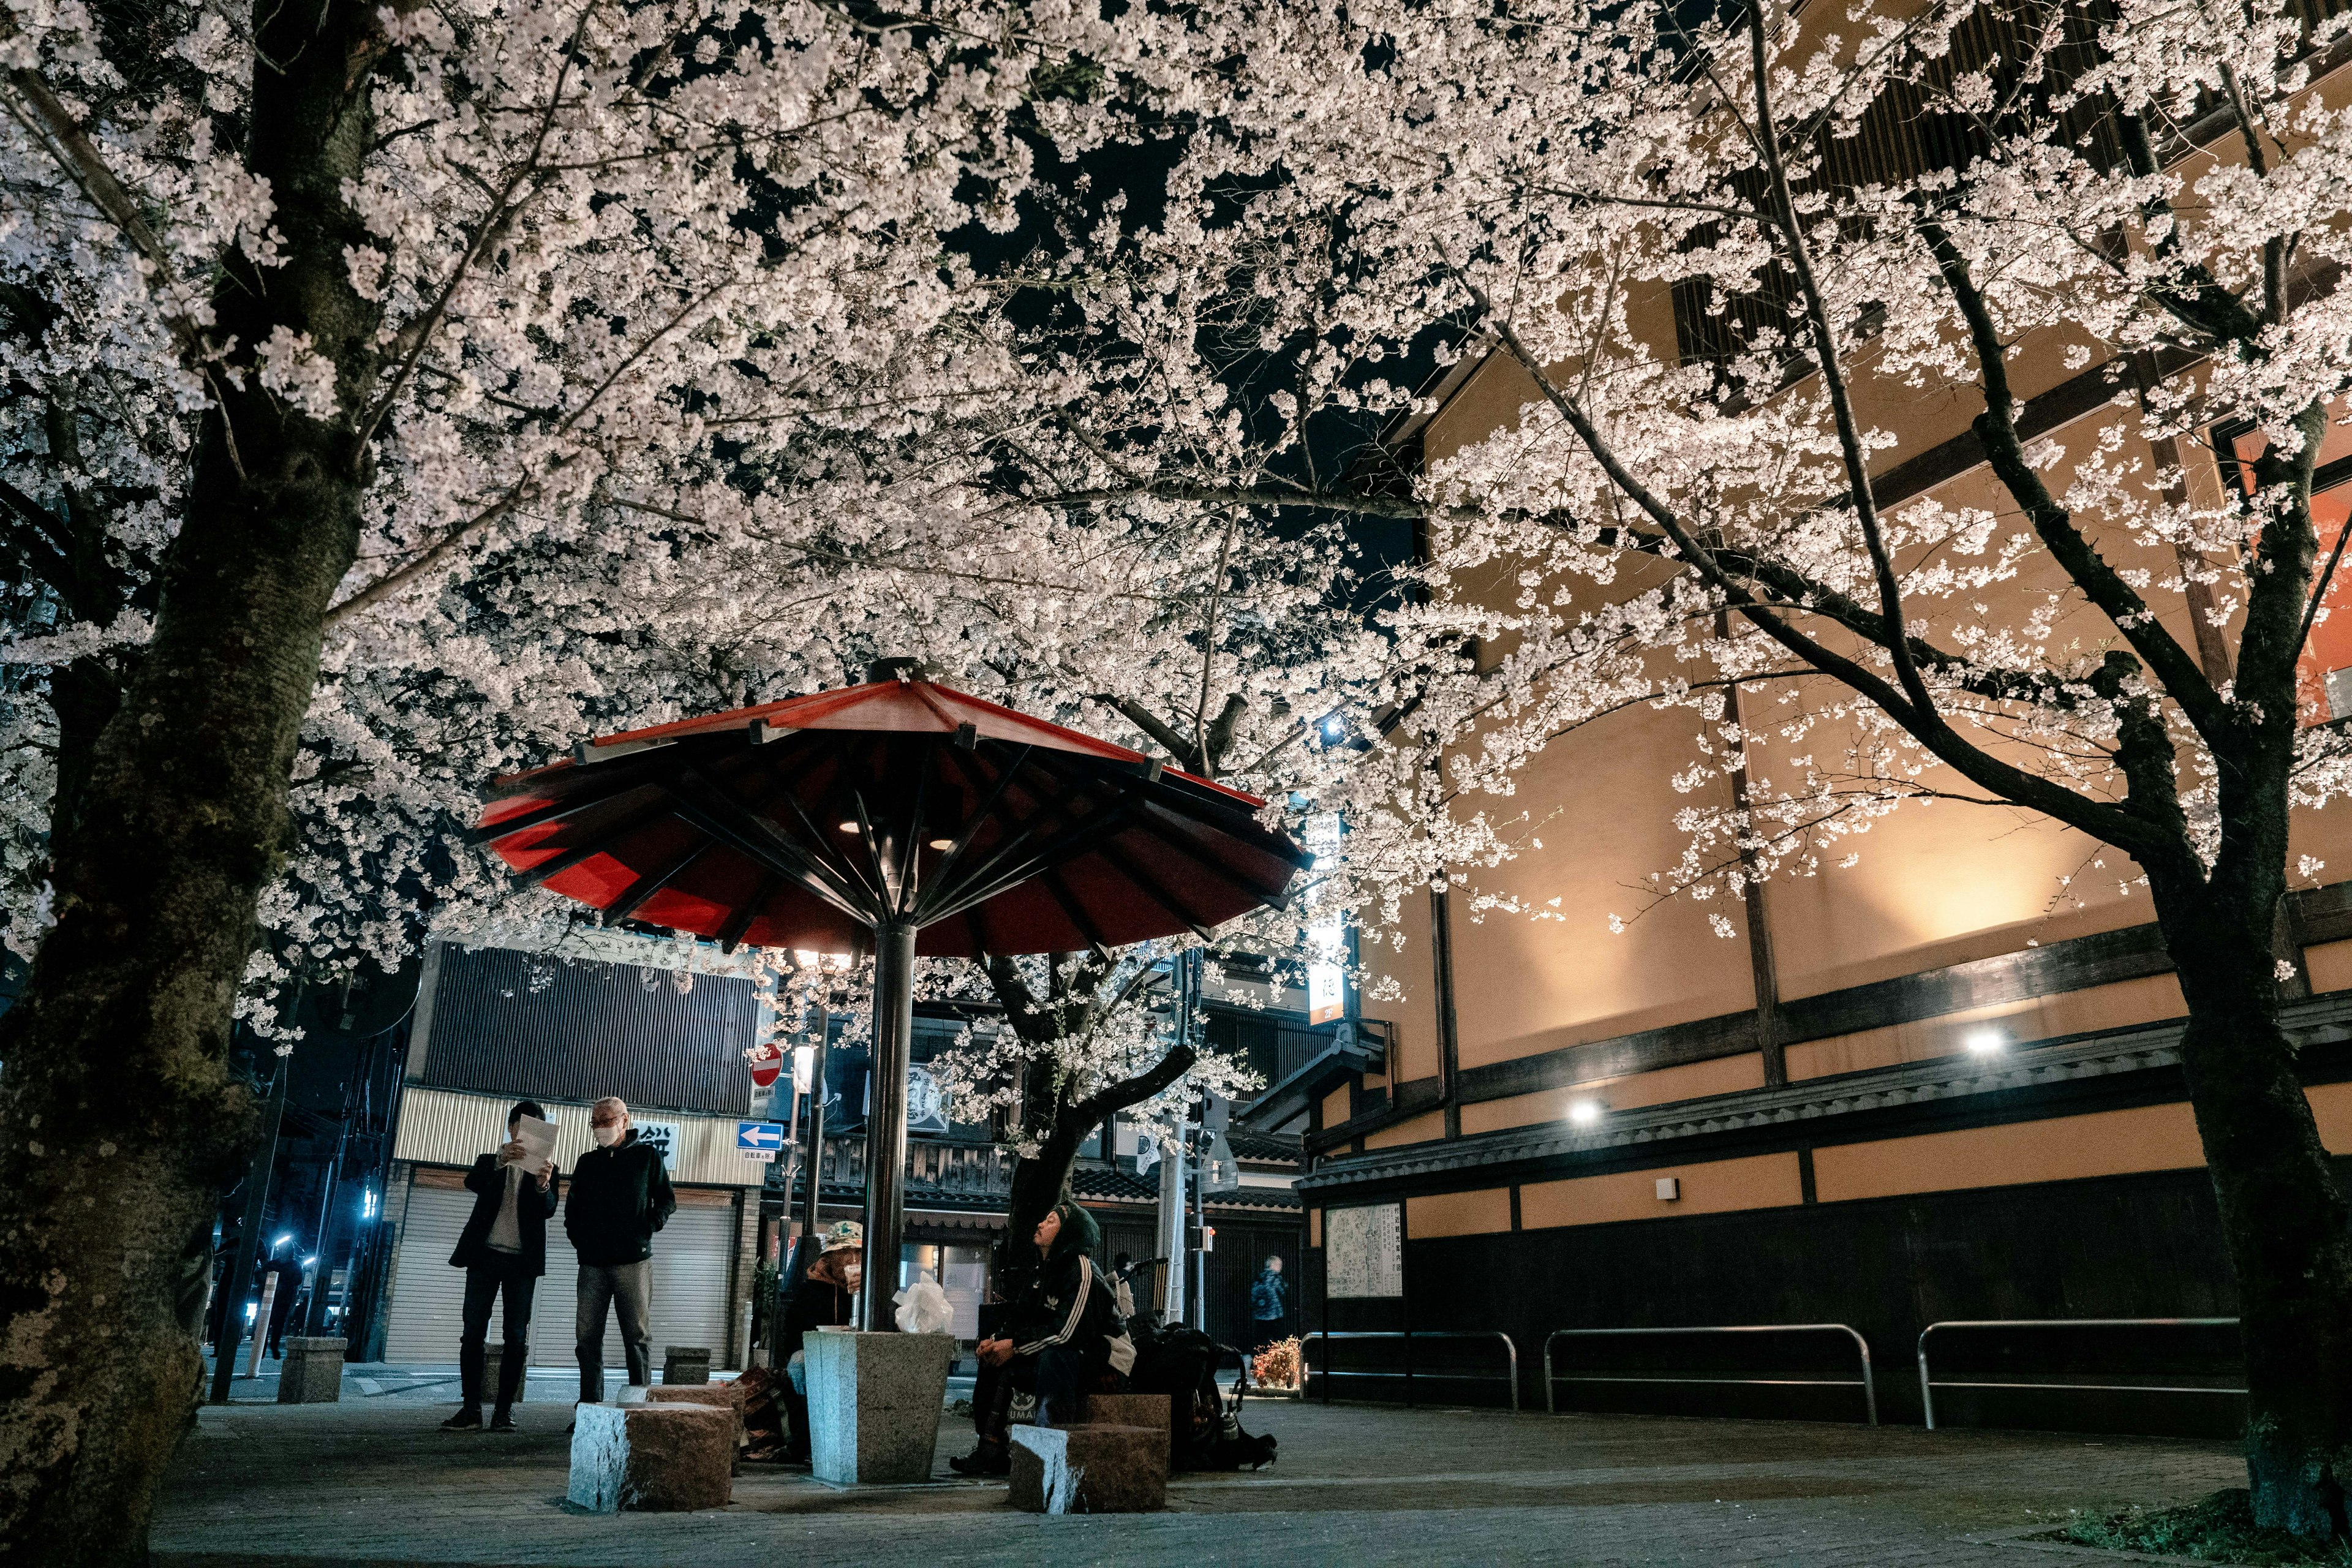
(658, 1457)
(1129, 1410)
(685, 1365)
(313, 1372)
(721, 1395)
(1090, 1467)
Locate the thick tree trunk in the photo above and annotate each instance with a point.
(120, 1123)
(1039, 1181)
(2283, 1212)
(85, 698)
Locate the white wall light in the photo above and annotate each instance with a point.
(1585, 1113)
(1986, 1042)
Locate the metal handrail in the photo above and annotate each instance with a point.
(1868, 1384)
(1409, 1336)
(1927, 1397)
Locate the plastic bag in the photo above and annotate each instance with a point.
(923, 1308)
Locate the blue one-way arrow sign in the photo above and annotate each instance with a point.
(759, 1140)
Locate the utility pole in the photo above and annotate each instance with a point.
(1195, 1256)
(1183, 1305)
(1171, 1230)
(240, 1270)
(323, 1277)
(812, 1159)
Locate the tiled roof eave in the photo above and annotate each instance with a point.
(1818, 1101)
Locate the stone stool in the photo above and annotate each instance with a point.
(653, 1457)
(1129, 1410)
(686, 1363)
(719, 1396)
(1089, 1469)
(313, 1372)
(494, 1356)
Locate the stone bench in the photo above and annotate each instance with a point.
(657, 1456)
(685, 1365)
(1089, 1469)
(1129, 1410)
(721, 1395)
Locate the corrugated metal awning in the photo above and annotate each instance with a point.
(527, 1025)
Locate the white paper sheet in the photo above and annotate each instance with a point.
(538, 1140)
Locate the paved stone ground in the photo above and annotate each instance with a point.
(372, 1484)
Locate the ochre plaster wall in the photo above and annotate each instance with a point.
(1404, 957)
(2150, 1000)
(1762, 1180)
(1412, 1130)
(2064, 1148)
(1458, 1214)
(1723, 1075)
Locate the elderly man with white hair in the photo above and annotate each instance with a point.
(620, 1195)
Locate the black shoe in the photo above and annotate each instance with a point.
(502, 1421)
(571, 1428)
(464, 1421)
(987, 1459)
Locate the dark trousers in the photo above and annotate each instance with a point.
(485, 1282)
(626, 1290)
(1060, 1378)
(797, 1417)
(1264, 1331)
(1057, 1377)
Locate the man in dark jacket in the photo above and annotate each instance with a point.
(503, 1250)
(620, 1195)
(1065, 1340)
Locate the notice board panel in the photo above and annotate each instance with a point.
(1364, 1250)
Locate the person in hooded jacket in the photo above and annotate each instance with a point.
(1064, 1339)
(832, 1265)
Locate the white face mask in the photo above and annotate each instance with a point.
(607, 1136)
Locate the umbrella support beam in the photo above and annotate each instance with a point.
(886, 1122)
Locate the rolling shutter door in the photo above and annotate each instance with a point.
(555, 1310)
(429, 1297)
(690, 1263)
(690, 1257)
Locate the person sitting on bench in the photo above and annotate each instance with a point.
(821, 1297)
(1066, 1341)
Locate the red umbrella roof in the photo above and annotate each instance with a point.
(803, 823)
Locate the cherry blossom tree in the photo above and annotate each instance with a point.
(308, 311)
(1851, 209)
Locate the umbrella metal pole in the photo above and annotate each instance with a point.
(885, 1123)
